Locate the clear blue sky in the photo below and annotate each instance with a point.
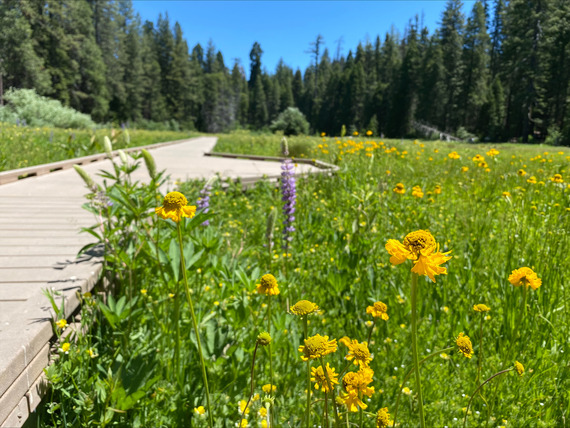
(284, 29)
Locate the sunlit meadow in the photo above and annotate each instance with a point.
(340, 295)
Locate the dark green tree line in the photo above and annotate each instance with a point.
(499, 71)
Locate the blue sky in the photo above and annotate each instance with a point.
(284, 29)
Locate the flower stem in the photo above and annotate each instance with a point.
(269, 346)
(478, 388)
(480, 356)
(415, 348)
(251, 389)
(195, 325)
(308, 412)
(370, 332)
(325, 371)
(408, 376)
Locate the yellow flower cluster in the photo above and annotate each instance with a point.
(356, 385)
(378, 310)
(464, 344)
(417, 192)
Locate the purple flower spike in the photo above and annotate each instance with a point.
(204, 201)
(289, 198)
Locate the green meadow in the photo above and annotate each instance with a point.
(138, 364)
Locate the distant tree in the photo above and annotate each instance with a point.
(291, 122)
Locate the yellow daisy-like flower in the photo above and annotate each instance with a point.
(268, 285)
(303, 307)
(323, 134)
(62, 323)
(525, 276)
(358, 352)
(464, 168)
(65, 347)
(492, 152)
(454, 155)
(355, 133)
(481, 308)
(437, 189)
(478, 159)
(268, 388)
(506, 195)
(531, 180)
(318, 376)
(378, 310)
(383, 418)
(175, 207)
(200, 410)
(557, 178)
(464, 344)
(243, 423)
(421, 248)
(519, 368)
(521, 172)
(317, 346)
(400, 189)
(369, 133)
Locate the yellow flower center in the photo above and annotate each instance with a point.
(268, 281)
(303, 307)
(420, 242)
(174, 201)
(316, 345)
(360, 351)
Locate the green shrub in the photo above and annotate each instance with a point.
(291, 122)
(38, 111)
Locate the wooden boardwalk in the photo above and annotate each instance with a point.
(40, 220)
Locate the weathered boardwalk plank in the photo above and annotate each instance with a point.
(40, 220)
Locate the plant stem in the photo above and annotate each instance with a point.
(409, 374)
(479, 387)
(308, 412)
(336, 418)
(251, 390)
(269, 346)
(370, 332)
(480, 356)
(415, 348)
(195, 325)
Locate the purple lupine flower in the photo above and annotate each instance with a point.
(289, 197)
(204, 201)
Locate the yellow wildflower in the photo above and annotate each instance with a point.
(318, 376)
(264, 338)
(378, 310)
(557, 178)
(519, 368)
(303, 307)
(175, 207)
(199, 411)
(421, 248)
(478, 159)
(506, 195)
(268, 285)
(356, 386)
(383, 418)
(454, 155)
(525, 276)
(481, 308)
(62, 323)
(65, 347)
(268, 388)
(492, 152)
(464, 344)
(406, 390)
(399, 189)
(241, 407)
(317, 346)
(521, 172)
(358, 352)
(464, 168)
(531, 180)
